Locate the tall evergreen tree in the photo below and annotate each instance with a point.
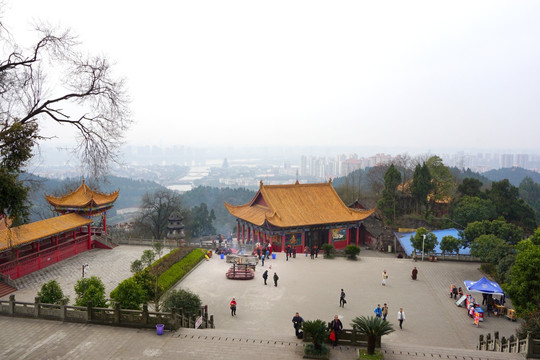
(388, 203)
(421, 186)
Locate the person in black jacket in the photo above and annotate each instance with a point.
(336, 326)
(297, 323)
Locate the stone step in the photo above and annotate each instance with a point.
(5, 289)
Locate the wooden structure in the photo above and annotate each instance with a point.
(30, 247)
(85, 202)
(27, 248)
(299, 215)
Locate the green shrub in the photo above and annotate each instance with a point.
(90, 289)
(180, 269)
(328, 251)
(147, 281)
(318, 331)
(51, 293)
(129, 294)
(183, 301)
(310, 351)
(352, 251)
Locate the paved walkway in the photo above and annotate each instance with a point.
(111, 266)
(434, 327)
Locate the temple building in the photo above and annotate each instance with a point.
(30, 247)
(85, 202)
(299, 215)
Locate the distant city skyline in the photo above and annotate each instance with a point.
(422, 76)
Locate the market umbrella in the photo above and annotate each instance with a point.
(484, 286)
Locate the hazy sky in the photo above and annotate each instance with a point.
(429, 74)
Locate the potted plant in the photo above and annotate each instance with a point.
(328, 251)
(372, 327)
(352, 251)
(317, 331)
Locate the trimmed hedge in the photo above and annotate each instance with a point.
(180, 269)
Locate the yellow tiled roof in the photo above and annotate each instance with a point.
(297, 205)
(83, 197)
(28, 233)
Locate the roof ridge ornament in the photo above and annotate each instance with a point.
(260, 184)
(330, 181)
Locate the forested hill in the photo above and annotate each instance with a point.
(214, 198)
(515, 175)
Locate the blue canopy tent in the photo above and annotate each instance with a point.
(484, 286)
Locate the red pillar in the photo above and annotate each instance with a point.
(264, 237)
(249, 234)
(330, 236)
(348, 237)
(243, 233)
(18, 266)
(89, 237)
(105, 223)
(283, 243)
(39, 256)
(303, 241)
(237, 231)
(357, 235)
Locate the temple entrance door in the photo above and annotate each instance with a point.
(320, 237)
(316, 238)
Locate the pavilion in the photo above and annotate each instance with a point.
(30, 247)
(299, 215)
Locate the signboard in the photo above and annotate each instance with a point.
(339, 234)
(198, 322)
(460, 300)
(293, 239)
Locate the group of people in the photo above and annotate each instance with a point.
(265, 277)
(336, 326)
(313, 252)
(455, 292)
(290, 251)
(263, 252)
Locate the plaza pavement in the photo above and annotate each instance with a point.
(434, 327)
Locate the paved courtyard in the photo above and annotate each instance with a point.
(312, 288)
(111, 266)
(262, 327)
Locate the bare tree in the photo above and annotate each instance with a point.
(155, 211)
(42, 82)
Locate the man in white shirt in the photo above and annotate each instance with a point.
(401, 317)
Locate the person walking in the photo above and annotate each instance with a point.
(378, 311)
(265, 276)
(384, 311)
(401, 317)
(276, 278)
(342, 300)
(233, 307)
(262, 259)
(297, 323)
(414, 273)
(384, 277)
(336, 326)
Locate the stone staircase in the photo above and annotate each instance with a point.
(5, 289)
